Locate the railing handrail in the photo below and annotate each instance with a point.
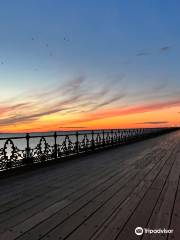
(73, 133)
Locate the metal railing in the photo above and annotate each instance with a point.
(21, 150)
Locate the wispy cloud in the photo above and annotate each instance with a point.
(141, 108)
(73, 127)
(78, 101)
(107, 102)
(162, 49)
(27, 118)
(71, 97)
(154, 122)
(6, 107)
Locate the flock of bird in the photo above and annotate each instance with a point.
(65, 39)
(138, 54)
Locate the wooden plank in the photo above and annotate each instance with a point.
(63, 230)
(161, 214)
(56, 175)
(143, 212)
(93, 192)
(90, 226)
(38, 231)
(86, 169)
(115, 224)
(175, 219)
(94, 197)
(55, 183)
(44, 203)
(53, 236)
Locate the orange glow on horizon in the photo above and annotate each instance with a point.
(117, 118)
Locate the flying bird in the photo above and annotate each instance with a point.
(66, 39)
(165, 48)
(139, 54)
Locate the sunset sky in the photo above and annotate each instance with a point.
(68, 64)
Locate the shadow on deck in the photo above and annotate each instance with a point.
(103, 196)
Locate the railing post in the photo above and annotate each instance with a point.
(119, 136)
(55, 145)
(125, 136)
(27, 148)
(103, 138)
(77, 142)
(92, 141)
(116, 136)
(112, 140)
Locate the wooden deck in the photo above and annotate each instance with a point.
(103, 196)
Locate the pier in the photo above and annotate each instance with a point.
(104, 195)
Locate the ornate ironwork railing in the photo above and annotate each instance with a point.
(21, 150)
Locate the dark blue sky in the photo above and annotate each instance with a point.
(132, 45)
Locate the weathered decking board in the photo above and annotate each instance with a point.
(103, 196)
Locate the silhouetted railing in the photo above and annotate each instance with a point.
(22, 150)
